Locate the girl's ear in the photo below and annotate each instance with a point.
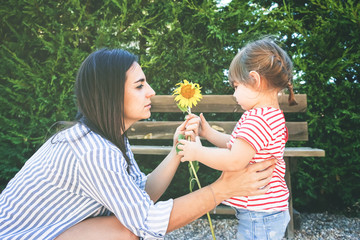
(255, 75)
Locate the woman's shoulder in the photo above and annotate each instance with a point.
(83, 140)
(94, 149)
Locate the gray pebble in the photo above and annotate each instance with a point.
(314, 226)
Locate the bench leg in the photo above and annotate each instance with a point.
(290, 228)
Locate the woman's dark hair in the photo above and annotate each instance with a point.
(99, 89)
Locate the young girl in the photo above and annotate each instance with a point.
(257, 73)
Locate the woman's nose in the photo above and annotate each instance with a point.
(150, 92)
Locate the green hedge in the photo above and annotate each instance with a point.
(44, 42)
(330, 54)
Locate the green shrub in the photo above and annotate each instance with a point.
(327, 53)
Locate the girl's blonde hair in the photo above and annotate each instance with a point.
(270, 61)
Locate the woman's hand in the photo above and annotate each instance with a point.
(189, 128)
(247, 182)
(252, 180)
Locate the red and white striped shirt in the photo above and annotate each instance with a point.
(264, 129)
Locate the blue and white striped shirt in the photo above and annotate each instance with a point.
(75, 175)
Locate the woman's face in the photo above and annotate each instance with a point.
(138, 92)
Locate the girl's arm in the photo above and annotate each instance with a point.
(217, 138)
(222, 159)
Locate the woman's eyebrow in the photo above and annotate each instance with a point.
(140, 80)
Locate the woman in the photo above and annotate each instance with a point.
(84, 182)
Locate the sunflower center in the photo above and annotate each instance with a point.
(187, 92)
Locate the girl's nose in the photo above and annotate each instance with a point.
(234, 95)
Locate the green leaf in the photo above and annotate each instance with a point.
(180, 137)
(183, 109)
(177, 149)
(192, 178)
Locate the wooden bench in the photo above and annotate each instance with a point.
(151, 130)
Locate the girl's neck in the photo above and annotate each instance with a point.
(267, 100)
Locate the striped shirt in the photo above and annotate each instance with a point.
(75, 175)
(264, 129)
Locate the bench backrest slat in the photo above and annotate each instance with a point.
(222, 104)
(298, 131)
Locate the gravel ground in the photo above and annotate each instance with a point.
(314, 226)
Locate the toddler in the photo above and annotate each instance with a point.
(258, 72)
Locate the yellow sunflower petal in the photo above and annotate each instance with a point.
(187, 94)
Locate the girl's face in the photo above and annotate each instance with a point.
(246, 96)
(137, 96)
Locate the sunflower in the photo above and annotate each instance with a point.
(188, 94)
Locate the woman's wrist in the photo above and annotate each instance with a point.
(214, 196)
(220, 191)
(173, 154)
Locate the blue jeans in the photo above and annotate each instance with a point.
(261, 225)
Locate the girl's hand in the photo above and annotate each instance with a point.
(189, 150)
(189, 128)
(192, 126)
(204, 126)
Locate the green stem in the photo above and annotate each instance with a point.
(199, 185)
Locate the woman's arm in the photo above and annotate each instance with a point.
(247, 182)
(159, 179)
(187, 208)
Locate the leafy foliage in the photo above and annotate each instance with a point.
(44, 42)
(329, 58)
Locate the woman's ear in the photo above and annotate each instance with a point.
(255, 75)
